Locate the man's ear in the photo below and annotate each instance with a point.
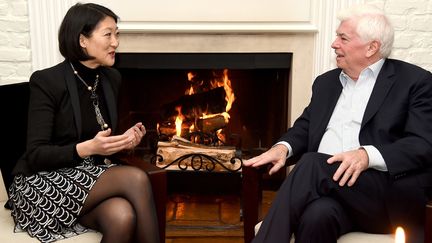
(373, 48)
(83, 41)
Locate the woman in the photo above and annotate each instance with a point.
(65, 180)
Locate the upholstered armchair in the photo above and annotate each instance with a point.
(252, 198)
(13, 109)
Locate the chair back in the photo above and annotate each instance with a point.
(14, 99)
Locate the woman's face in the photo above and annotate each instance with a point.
(101, 44)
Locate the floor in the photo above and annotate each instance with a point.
(209, 218)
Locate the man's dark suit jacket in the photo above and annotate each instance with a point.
(55, 115)
(397, 121)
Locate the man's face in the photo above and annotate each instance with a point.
(351, 51)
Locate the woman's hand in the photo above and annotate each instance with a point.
(103, 144)
(135, 133)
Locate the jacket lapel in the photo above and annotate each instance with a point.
(329, 105)
(326, 105)
(110, 100)
(384, 82)
(73, 93)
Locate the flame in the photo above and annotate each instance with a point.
(179, 121)
(192, 128)
(190, 91)
(190, 76)
(220, 135)
(229, 93)
(399, 235)
(228, 90)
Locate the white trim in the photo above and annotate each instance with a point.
(209, 10)
(45, 17)
(324, 17)
(216, 27)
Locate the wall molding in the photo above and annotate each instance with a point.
(216, 27)
(324, 17)
(45, 17)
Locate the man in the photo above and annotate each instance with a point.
(364, 142)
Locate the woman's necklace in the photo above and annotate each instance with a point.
(94, 98)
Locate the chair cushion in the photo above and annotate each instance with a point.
(7, 234)
(3, 194)
(355, 237)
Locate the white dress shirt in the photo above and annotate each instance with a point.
(343, 129)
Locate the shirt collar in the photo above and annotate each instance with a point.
(374, 68)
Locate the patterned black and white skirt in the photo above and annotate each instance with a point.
(47, 204)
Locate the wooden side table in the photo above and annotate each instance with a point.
(252, 199)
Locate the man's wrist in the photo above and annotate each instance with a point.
(365, 155)
(282, 148)
(375, 159)
(288, 147)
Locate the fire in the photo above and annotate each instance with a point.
(230, 97)
(179, 121)
(197, 86)
(399, 235)
(191, 90)
(225, 82)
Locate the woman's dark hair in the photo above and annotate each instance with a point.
(80, 19)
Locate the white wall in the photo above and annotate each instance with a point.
(15, 54)
(412, 20)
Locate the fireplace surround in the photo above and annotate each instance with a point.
(260, 82)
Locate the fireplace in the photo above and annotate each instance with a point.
(260, 82)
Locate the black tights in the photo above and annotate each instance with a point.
(121, 207)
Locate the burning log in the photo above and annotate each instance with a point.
(169, 131)
(178, 147)
(211, 124)
(211, 102)
(206, 128)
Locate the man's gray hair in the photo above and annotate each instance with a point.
(372, 24)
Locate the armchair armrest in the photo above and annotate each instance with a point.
(158, 178)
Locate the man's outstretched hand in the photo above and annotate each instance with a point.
(276, 156)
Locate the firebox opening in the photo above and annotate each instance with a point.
(157, 89)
